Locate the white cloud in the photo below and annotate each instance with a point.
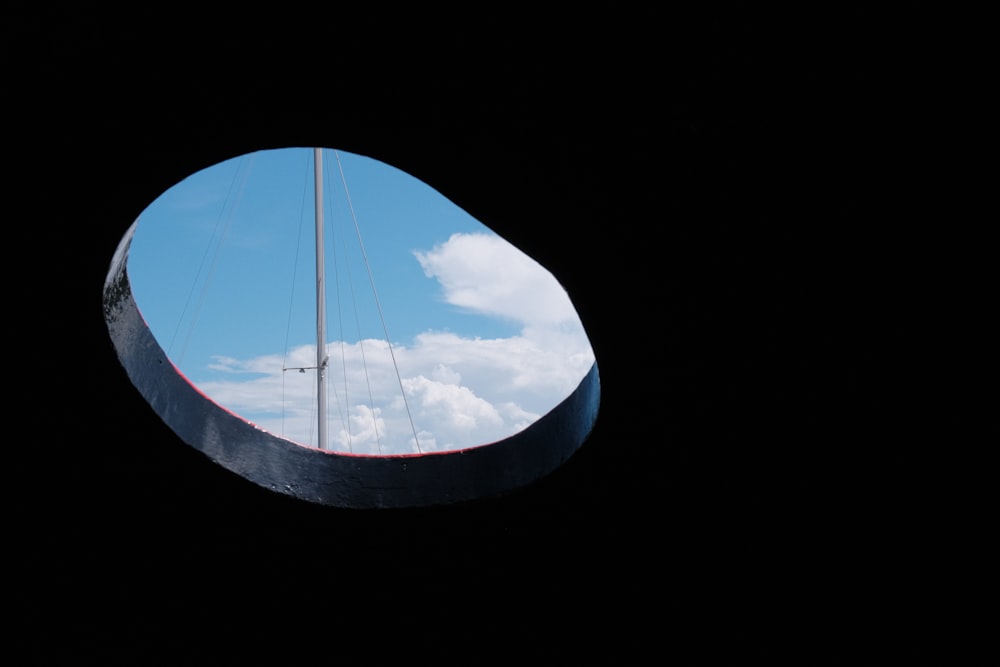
(459, 392)
(486, 274)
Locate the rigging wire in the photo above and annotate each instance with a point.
(295, 272)
(345, 421)
(346, 407)
(244, 168)
(378, 304)
(361, 348)
(242, 175)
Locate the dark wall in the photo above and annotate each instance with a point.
(729, 200)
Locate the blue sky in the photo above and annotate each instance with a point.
(223, 269)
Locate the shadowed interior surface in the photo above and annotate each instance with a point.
(730, 197)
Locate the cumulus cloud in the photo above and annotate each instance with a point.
(485, 274)
(451, 392)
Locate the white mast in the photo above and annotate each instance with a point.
(321, 357)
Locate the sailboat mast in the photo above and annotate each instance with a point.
(321, 358)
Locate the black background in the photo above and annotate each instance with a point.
(741, 205)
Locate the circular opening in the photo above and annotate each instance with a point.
(440, 336)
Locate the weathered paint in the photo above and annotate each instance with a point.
(334, 478)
